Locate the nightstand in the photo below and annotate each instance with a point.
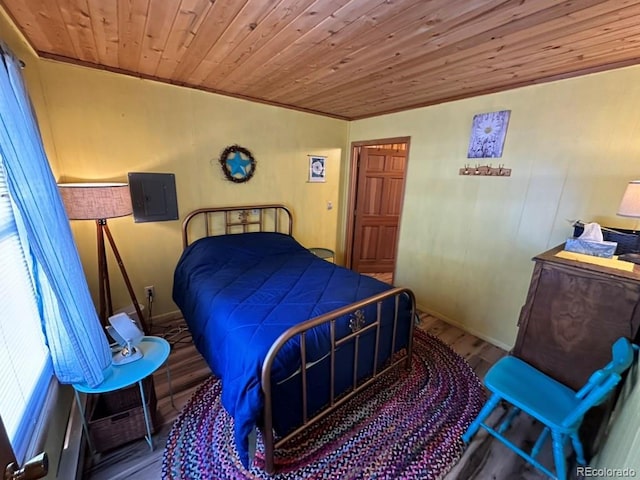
(324, 253)
(155, 351)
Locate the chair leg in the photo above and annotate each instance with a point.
(558, 455)
(484, 413)
(507, 421)
(540, 441)
(577, 447)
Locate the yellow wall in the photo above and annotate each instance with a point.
(105, 125)
(466, 243)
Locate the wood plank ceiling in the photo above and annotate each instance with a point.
(349, 59)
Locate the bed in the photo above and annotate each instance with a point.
(290, 335)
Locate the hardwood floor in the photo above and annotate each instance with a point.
(485, 458)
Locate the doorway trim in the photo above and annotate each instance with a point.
(351, 197)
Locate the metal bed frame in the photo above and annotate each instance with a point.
(278, 218)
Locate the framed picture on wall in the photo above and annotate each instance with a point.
(488, 131)
(317, 172)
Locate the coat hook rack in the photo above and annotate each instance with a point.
(485, 170)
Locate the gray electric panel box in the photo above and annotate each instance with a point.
(153, 196)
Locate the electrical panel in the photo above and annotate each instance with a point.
(153, 196)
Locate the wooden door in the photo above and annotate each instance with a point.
(378, 205)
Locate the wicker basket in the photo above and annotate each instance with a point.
(118, 417)
(628, 240)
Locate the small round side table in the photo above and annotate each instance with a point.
(324, 253)
(155, 351)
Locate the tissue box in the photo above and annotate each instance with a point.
(588, 247)
(628, 240)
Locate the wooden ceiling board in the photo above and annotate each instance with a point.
(519, 49)
(342, 58)
(242, 30)
(301, 37)
(132, 19)
(42, 24)
(75, 15)
(186, 26)
(266, 40)
(218, 20)
(391, 58)
(332, 47)
(105, 32)
(156, 34)
(452, 46)
(282, 63)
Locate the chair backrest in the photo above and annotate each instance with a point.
(602, 381)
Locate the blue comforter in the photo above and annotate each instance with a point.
(238, 293)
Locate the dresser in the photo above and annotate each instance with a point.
(573, 313)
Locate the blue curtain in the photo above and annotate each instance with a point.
(75, 338)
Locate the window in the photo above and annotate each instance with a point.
(25, 366)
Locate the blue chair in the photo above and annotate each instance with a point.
(556, 406)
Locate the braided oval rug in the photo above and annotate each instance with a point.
(405, 426)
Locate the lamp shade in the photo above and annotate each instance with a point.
(95, 201)
(630, 204)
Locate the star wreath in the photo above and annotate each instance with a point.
(237, 164)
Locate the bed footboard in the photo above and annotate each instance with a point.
(358, 326)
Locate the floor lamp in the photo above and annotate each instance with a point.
(99, 202)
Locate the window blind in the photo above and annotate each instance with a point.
(25, 367)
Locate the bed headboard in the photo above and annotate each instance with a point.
(208, 222)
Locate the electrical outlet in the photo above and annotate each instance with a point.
(150, 291)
